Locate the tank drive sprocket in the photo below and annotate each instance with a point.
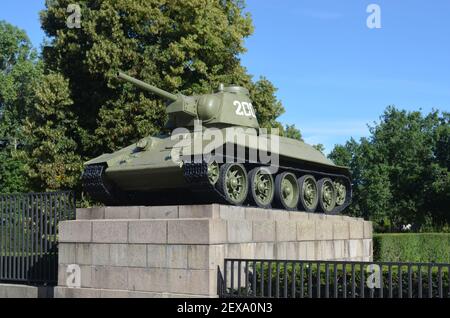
(99, 188)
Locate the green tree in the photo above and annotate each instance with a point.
(319, 147)
(19, 73)
(53, 159)
(267, 107)
(401, 172)
(291, 131)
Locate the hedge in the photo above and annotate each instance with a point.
(412, 247)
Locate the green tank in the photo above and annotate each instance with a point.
(216, 153)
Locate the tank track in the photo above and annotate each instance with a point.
(94, 183)
(197, 175)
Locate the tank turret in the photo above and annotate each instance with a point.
(228, 106)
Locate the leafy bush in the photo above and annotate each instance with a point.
(414, 247)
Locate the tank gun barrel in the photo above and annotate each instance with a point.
(147, 87)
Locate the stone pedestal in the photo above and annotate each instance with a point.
(175, 251)
(25, 291)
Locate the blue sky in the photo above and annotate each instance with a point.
(334, 74)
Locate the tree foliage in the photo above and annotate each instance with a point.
(53, 161)
(291, 131)
(401, 173)
(319, 147)
(19, 70)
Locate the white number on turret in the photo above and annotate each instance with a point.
(244, 109)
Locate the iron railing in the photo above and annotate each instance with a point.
(29, 235)
(330, 279)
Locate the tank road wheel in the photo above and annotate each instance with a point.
(327, 195)
(309, 194)
(213, 172)
(341, 192)
(287, 192)
(262, 187)
(233, 183)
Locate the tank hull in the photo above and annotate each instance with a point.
(164, 170)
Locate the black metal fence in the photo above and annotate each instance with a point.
(329, 279)
(29, 234)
